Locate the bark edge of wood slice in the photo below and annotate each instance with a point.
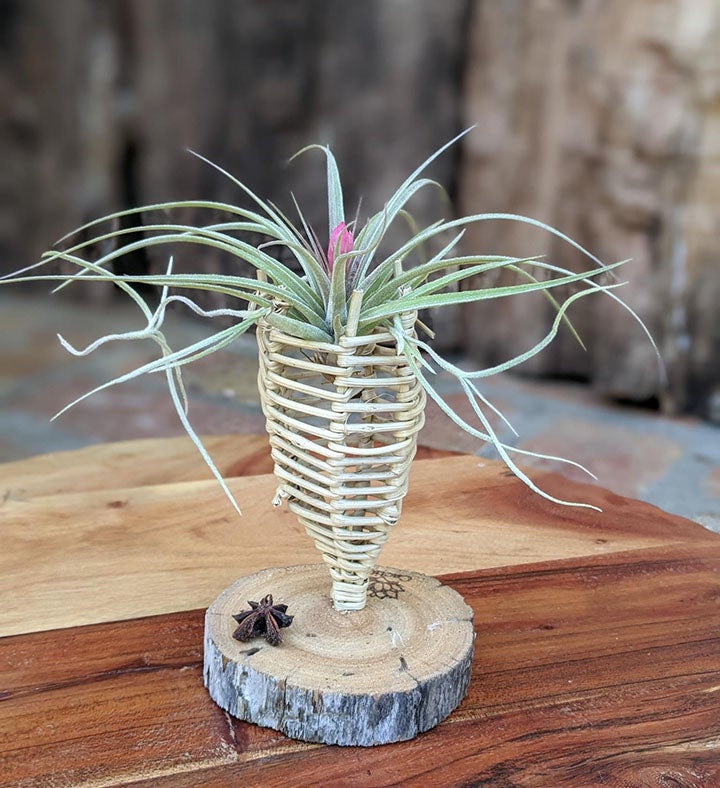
(374, 676)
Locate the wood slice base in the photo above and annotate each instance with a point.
(373, 676)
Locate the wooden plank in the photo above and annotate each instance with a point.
(133, 464)
(590, 670)
(161, 548)
(115, 701)
(140, 463)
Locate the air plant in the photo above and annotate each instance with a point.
(350, 277)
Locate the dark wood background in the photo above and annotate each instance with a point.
(593, 119)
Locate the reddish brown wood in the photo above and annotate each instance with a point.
(601, 670)
(600, 666)
(113, 702)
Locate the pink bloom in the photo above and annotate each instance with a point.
(341, 242)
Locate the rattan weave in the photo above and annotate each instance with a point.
(342, 421)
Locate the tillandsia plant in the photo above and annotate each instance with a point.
(347, 286)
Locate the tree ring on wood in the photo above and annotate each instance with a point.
(373, 676)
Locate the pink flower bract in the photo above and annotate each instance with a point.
(341, 242)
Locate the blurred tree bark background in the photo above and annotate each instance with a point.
(600, 117)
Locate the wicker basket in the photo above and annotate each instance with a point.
(343, 421)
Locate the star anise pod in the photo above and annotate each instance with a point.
(263, 619)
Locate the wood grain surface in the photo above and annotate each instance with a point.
(101, 534)
(597, 658)
(587, 672)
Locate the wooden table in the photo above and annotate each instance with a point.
(598, 635)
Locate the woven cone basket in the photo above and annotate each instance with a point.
(342, 421)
